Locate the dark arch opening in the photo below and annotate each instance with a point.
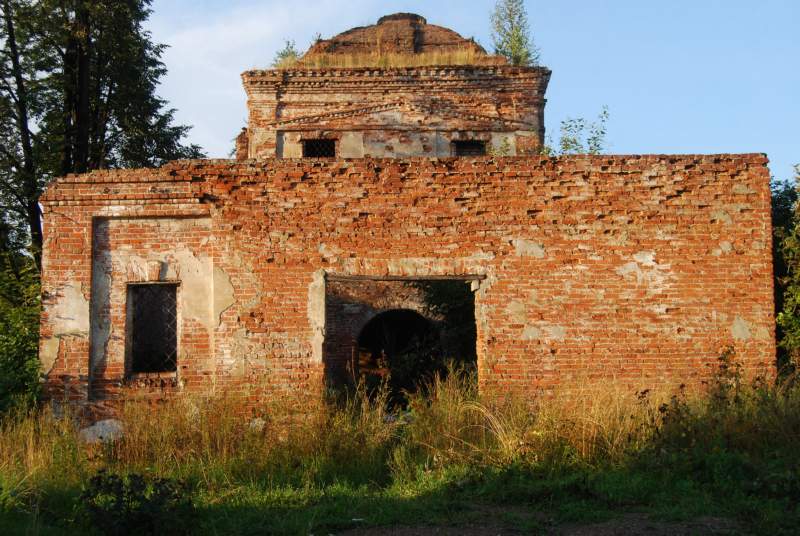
(402, 348)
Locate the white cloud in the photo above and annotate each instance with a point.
(208, 52)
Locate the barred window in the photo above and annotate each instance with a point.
(469, 148)
(152, 328)
(319, 148)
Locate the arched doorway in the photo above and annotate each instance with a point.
(401, 347)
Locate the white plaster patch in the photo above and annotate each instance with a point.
(48, 353)
(223, 293)
(70, 312)
(316, 314)
(531, 333)
(329, 252)
(196, 276)
(645, 258)
(721, 216)
(528, 248)
(517, 311)
(556, 333)
(742, 189)
(647, 272)
(740, 329)
(108, 430)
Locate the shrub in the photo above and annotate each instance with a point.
(19, 332)
(133, 504)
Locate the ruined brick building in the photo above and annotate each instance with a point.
(388, 156)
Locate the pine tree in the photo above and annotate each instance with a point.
(511, 33)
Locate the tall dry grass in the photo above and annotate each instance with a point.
(448, 423)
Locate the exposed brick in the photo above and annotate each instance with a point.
(643, 268)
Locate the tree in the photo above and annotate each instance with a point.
(78, 82)
(19, 331)
(287, 56)
(786, 254)
(511, 33)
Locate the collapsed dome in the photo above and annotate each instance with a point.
(402, 36)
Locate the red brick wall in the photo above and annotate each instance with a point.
(642, 268)
(473, 100)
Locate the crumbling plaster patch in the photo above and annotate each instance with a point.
(740, 329)
(223, 293)
(69, 317)
(647, 272)
(195, 275)
(528, 248)
(316, 314)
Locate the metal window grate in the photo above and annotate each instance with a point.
(469, 148)
(319, 148)
(153, 328)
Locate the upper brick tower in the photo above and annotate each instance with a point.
(399, 88)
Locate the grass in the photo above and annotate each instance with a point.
(196, 466)
(466, 56)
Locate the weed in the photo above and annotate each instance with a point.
(132, 504)
(600, 448)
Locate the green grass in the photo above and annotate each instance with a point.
(587, 456)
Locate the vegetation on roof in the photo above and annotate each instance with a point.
(389, 60)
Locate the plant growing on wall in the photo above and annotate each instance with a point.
(287, 56)
(511, 33)
(579, 136)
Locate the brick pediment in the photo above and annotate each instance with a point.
(402, 115)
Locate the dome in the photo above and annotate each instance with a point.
(400, 38)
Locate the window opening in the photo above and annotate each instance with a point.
(152, 328)
(469, 148)
(319, 148)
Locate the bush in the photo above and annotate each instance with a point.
(133, 505)
(19, 332)
(727, 449)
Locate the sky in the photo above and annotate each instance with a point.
(678, 76)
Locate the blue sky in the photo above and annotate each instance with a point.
(678, 76)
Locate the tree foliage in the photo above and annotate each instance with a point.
(19, 331)
(579, 136)
(786, 255)
(511, 33)
(78, 82)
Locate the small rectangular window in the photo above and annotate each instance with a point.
(152, 328)
(319, 148)
(469, 148)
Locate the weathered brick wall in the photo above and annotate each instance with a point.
(350, 305)
(399, 33)
(395, 112)
(639, 267)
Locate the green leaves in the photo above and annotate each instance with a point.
(287, 56)
(19, 331)
(78, 88)
(579, 136)
(511, 33)
(786, 255)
